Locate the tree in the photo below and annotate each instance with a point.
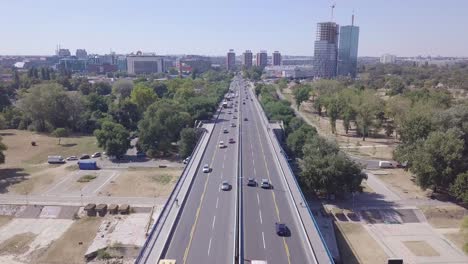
(187, 142)
(297, 138)
(143, 96)
(301, 94)
(438, 159)
(102, 88)
(395, 85)
(367, 107)
(113, 138)
(126, 113)
(333, 111)
(459, 188)
(60, 132)
(159, 88)
(325, 168)
(122, 88)
(2, 149)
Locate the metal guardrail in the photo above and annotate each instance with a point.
(265, 119)
(164, 212)
(240, 214)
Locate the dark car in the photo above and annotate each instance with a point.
(251, 182)
(84, 156)
(231, 141)
(281, 229)
(245, 119)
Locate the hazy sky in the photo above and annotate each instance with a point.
(401, 27)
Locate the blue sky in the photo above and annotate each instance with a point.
(211, 27)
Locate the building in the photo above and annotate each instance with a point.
(261, 59)
(144, 64)
(326, 50)
(122, 63)
(290, 71)
(348, 50)
(81, 54)
(63, 53)
(247, 58)
(193, 63)
(276, 57)
(231, 60)
(73, 64)
(387, 59)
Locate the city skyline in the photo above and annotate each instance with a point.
(404, 28)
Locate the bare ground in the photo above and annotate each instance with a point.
(421, 248)
(5, 220)
(444, 216)
(353, 242)
(72, 245)
(17, 244)
(143, 182)
(402, 182)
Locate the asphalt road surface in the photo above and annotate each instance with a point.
(264, 207)
(205, 231)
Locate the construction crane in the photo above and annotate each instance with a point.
(332, 8)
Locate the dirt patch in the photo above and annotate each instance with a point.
(5, 220)
(444, 216)
(72, 245)
(353, 241)
(402, 182)
(38, 182)
(458, 239)
(17, 244)
(421, 248)
(143, 182)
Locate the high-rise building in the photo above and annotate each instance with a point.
(387, 59)
(81, 54)
(247, 58)
(231, 60)
(63, 53)
(262, 59)
(326, 50)
(348, 50)
(276, 58)
(144, 64)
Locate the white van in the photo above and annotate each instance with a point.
(385, 164)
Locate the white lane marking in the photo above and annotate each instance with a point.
(261, 219)
(105, 182)
(255, 172)
(214, 221)
(258, 199)
(223, 165)
(263, 238)
(209, 247)
(252, 153)
(217, 200)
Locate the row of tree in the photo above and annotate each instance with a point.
(323, 167)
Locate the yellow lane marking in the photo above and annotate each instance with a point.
(187, 249)
(286, 248)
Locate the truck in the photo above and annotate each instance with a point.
(385, 164)
(55, 159)
(87, 165)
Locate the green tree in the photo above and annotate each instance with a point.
(113, 138)
(102, 88)
(60, 132)
(301, 94)
(126, 113)
(297, 138)
(438, 159)
(187, 142)
(367, 107)
(122, 88)
(459, 188)
(143, 96)
(2, 149)
(334, 108)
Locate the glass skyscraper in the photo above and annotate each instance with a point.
(348, 51)
(326, 50)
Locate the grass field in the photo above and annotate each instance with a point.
(26, 170)
(444, 216)
(144, 182)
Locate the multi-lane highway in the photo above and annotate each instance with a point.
(205, 232)
(263, 207)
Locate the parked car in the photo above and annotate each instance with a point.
(225, 186)
(251, 182)
(206, 168)
(281, 229)
(96, 155)
(385, 164)
(72, 158)
(265, 184)
(84, 156)
(55, 159)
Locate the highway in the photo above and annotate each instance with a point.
(205, 231)
(263, 207)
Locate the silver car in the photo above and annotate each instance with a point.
(225, 186)
(265, 184)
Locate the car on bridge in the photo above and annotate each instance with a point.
(225, 131)
(221, 144)
(232, 141)
(245, 119)
(233, 124)
(281, 229)
(225, 186)
(251, 182)
(206, 168)
(265, 184)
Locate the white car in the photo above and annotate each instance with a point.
(221, 144)
(206, 168)
(265, 184)
(225, 186)
(186, 160)
(72, 158)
